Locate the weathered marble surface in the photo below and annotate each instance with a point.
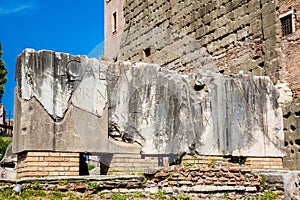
(291, 182)
(205, 113)
(61, 104)
(72, 103)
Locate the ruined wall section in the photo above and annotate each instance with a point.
(291, 111)
(290, 46)
(226, 36)
(291, 115)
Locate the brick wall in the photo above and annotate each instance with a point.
(129, 164)
(184, 35)
(290, 46)
(291, 110)
(195, 177)
(264, 163)
(39, 164)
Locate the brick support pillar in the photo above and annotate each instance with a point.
(39, 164)
(264, 163)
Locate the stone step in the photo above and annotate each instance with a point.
(148, 164)
(131, 160)
(125, 171)
(132, 156)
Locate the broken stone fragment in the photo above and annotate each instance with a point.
(76, 104)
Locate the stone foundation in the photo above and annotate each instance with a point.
(39, 164)
(135, 164)
(130, 164)
(267, 163)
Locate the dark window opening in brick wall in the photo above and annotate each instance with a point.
(287, 24)
(114, 22)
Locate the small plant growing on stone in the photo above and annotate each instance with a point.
(226, 195)
(183, 197)
(56, 195)
(117, 196)
(170, 176)
(36, 186)
(188, 164)
(160, 194)
(92, 186)
(139, 195)
(140, 173)
(64, 182)
(91, 167)
(101, 195)
(144, 180)
(211, 162)
(269, 196)
(263, 182)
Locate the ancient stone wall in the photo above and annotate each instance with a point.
(290, 46)
(291, 115)
(267, 163)
(290, 62)
(226, 36)
(179, 182)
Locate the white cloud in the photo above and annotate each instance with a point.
(8, 7)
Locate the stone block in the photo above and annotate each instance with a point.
(142, 126)
(123, 107)
(57, 120)
(269, 20)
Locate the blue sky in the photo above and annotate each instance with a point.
(72, 26)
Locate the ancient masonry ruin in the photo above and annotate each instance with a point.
(196, 80)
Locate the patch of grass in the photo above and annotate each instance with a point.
(140, 173)
(183, 197)
(72, 196)
(64, 182)
(144, 180)
(92, 186)
(101, 195)
(160, 194)
(116, 196)
(226, 195)
(269, 196)
(263, 182)
(211, 162)
(4, 142)
(56, 195)
(7, 194)
(188, 164)
(91, 167)
(29, 193)
(36, 186)
(139, 195)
